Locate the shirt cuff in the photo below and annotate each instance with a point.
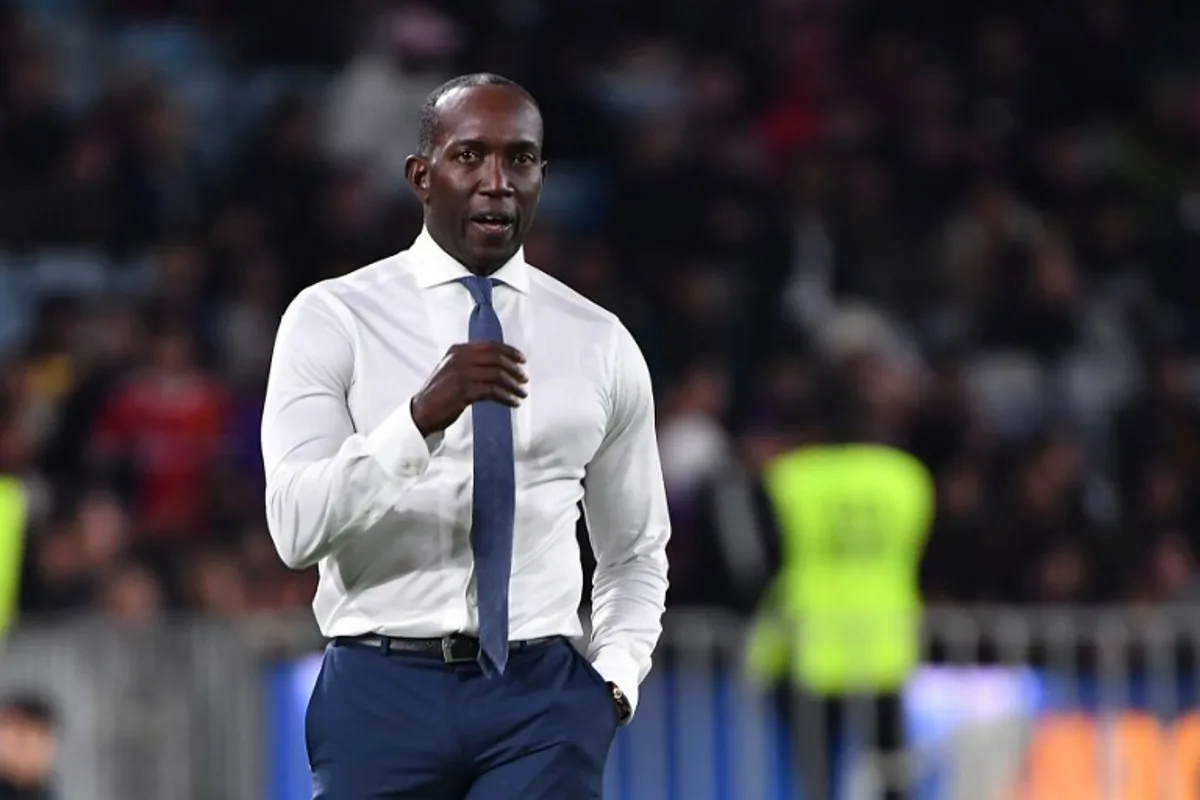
(399, 448)
(621, 669)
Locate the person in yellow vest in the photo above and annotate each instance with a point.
(12, 548)
(838, 630)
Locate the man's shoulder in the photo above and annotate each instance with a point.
(389, 272)
(349, 292)
(567, 300)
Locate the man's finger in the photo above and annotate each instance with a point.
(493, 389)
(503, 395)
(513, 384)
(495, 350)
(510, 352)
(513, 368)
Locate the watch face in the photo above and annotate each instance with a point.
(622, 702)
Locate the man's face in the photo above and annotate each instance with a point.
(27, 749)
(482, 180)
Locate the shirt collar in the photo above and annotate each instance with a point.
(433, 266)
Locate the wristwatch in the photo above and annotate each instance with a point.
(624, 708)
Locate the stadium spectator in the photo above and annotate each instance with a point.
(28, 747)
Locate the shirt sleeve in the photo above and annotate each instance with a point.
(325, 480)
(625, 504)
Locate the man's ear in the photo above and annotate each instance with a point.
(416, 171)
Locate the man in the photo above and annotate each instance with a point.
(28, 747)
(838, 628)
(449, 569)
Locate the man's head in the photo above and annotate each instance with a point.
(479, 170)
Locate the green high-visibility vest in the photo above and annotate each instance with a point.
(843, 614)
(12, 548)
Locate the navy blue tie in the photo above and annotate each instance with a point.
(494, 502)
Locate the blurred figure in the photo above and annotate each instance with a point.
(944, 427)
(1051, 545)
(73, 557)
(1162, 423)
(278, 181)
(28, 748)
(352, 211)
(1172, 571)
(108, 344)
(245, 327)
(75, 208)
(16, 448)
(160, 187)
(695, 450)
(35, 132)
(371, 116)
(102, 529)
(269, 586)
(1031, 300)
(959, 563)
(168, 424)
(181, 280)
(216, 585)
(131, 594)
(838, 629)
(992, 223)
(59, 581)
(51, 365)
(692, 440)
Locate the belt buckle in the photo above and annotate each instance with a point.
(457, 650)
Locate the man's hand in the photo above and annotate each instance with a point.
(469, 373)
(624, 709)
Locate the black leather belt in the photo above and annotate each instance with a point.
(453, 649)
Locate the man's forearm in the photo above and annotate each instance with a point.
(628, 600)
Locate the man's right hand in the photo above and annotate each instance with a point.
(469, 373)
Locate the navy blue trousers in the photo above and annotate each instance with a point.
(399, 725)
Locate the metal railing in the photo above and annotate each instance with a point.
(1029, 704)
(172, 711)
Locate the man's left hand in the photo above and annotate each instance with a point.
(624, 709)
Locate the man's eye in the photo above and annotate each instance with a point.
(525, 159)
(468, 155)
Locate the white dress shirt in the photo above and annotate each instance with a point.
(354, 487)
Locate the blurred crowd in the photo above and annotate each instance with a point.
(982, 218)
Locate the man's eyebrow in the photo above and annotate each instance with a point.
(531, 146)
(483, 144)
(470, 142)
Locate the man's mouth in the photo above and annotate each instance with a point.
(493, 224)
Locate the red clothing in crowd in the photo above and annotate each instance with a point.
(172, 431)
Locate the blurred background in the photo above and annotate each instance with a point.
(983, 219)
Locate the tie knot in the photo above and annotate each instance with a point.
(480, 288)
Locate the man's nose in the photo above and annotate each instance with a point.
(495, 178)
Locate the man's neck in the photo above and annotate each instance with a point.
(480, 270)
(483, 271)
